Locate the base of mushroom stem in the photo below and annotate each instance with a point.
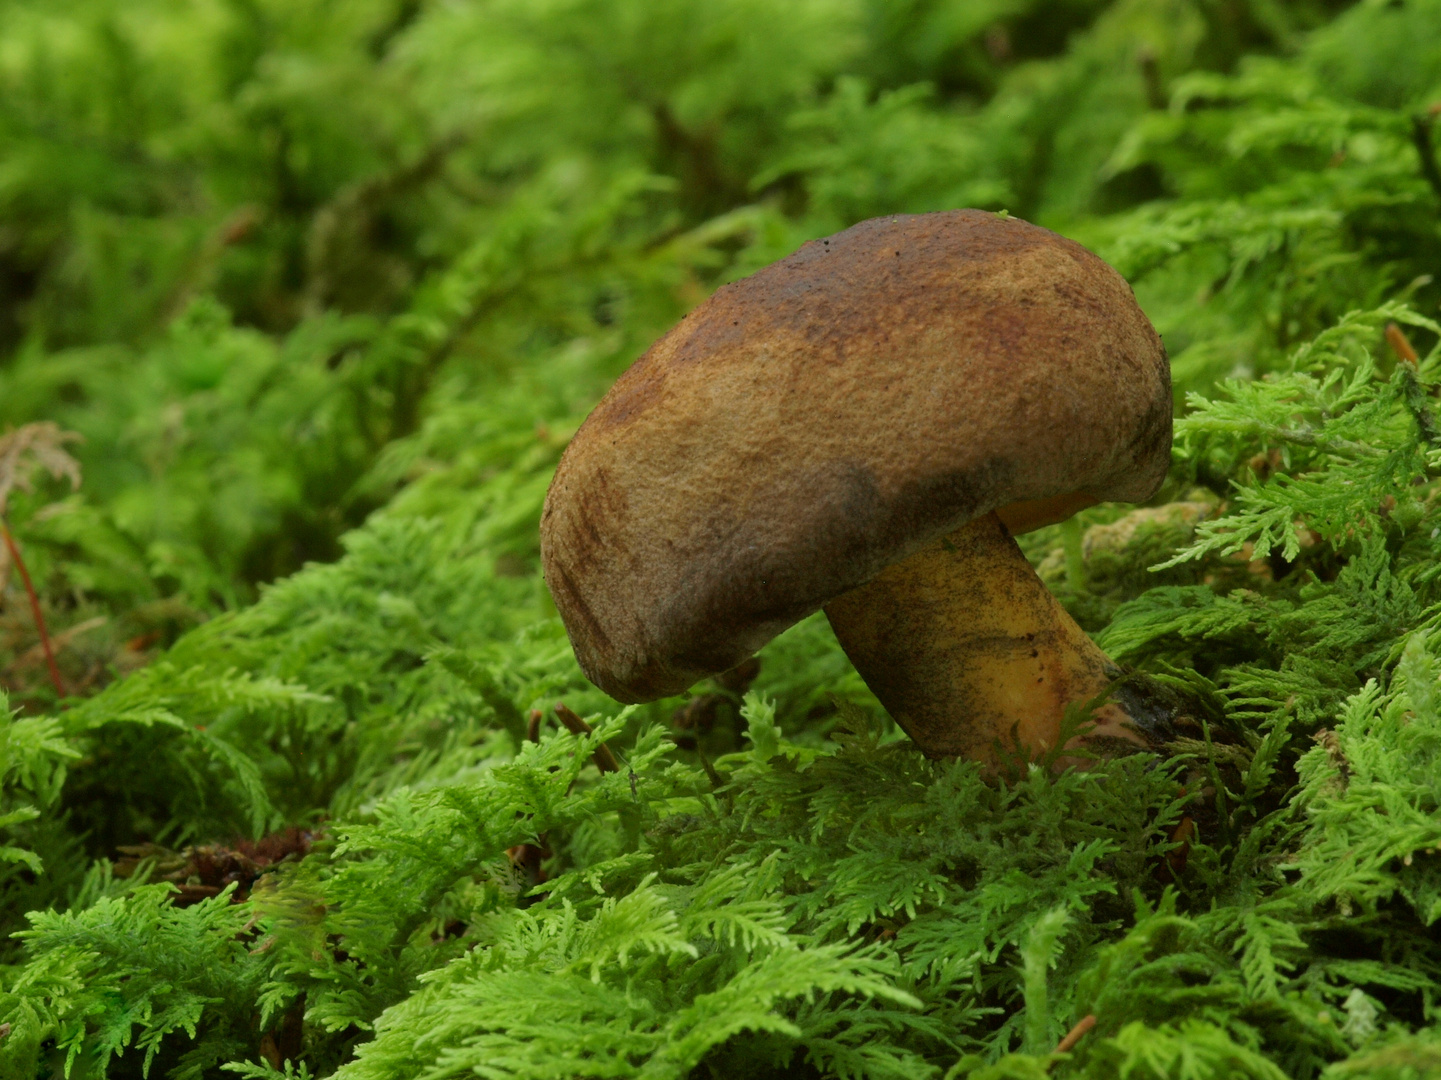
(1155, 714)
(1136, 713)
(973, 657)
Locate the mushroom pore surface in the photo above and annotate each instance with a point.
(831, 415)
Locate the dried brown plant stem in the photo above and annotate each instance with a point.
(15, 557)
(1401, 344)
(528, 858)
(1085, 1024)
(603, 758)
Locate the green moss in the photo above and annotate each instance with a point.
(327, 287)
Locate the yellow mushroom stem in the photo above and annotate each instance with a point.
(972, 655)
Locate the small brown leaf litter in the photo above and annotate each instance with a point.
(205, 870)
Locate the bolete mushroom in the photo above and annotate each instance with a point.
(861, 427)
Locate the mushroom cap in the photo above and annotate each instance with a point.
(831, 414)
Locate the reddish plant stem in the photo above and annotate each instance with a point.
(19, 562)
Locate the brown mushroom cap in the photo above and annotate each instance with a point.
(829, 415)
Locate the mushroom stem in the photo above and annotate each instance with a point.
(972, 655)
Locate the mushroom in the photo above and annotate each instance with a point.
(862, 427)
